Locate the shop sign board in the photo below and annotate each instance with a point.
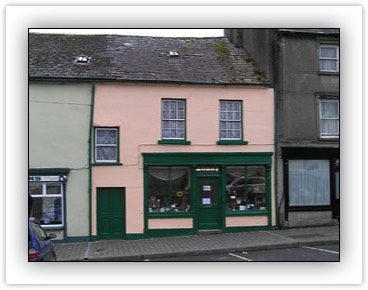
(47, 178)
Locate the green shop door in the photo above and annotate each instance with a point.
(110, 213)
(209, 203)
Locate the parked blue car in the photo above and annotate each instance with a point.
(40, 247)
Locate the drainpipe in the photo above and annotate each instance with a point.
(276, 127)
(276, 158)
(90, 163)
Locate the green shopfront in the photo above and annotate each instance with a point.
(191, 193)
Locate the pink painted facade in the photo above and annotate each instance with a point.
(136, 110)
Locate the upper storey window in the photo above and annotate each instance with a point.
(329, 58)
(231, 120)
(173, 119)
(106, 145)
(329, 118)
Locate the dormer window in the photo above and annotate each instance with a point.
(82, 59)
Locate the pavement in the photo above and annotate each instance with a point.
(132, 250)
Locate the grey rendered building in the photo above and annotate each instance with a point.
(303, 66)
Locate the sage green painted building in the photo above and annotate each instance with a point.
(59, 126)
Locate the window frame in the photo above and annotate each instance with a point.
(337, 59)
(117, 146)
(152, 214)
(170, 140)
(329, 135)
(232, 141)
(44, 194)
(245, 177)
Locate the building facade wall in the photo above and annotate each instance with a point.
(301, 87)
(59, 126)
(135, 109)
(290, 58)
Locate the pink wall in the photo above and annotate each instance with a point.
(170, 223)
(244, 221)
(136, 109)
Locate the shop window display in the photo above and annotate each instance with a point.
(245, 188)
(169, 189)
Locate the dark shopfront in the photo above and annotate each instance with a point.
(311, 186)
(190, 193)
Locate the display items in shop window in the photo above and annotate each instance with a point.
(246, 192)
(179, 203)
(169, 189)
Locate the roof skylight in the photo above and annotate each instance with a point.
(173, 53)
(82, 59)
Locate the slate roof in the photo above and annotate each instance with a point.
(211, 60)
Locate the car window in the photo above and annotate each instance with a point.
(39, 232)
(255, 180)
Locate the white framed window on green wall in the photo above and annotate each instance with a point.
(48, 200)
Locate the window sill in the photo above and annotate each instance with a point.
(232, 142)
(326, 139)
(174, 142)
(50, 227)
(248, 212)
(170, 215)
(309, 208)
(107, 164)
(330, 73)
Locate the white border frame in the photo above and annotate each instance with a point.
(348, 18)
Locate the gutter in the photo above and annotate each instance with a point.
(276, 126)
(276, 155)
(305, 33)
(88, 80)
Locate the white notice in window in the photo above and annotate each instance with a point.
(206, 187)
(206, 200)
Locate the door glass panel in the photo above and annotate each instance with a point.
(208, 191)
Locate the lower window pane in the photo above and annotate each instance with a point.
(329, 127)
(106, 153)
(328, 65)
(47, 210)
